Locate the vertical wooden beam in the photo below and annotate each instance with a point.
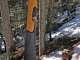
(42, 26)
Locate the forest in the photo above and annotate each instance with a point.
(39, 29)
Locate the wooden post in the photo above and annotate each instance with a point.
(42, 26)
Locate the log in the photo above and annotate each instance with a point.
(18, 52)
(67, 55)
(78, 57)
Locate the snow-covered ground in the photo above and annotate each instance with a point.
(78, 9)
(61, 17)
(70, 29)
(58, 54)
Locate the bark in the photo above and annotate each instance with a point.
(42, 26)
(6, 24)
(29, 53)
(46, 8)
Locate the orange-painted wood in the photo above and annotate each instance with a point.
(30, 22)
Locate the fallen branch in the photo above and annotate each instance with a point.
(18, 52)
(76, 44)
(78, 57)
(67, 55)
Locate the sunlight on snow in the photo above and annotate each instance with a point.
(58, 54)
(70, 29)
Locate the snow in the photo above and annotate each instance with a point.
(70, 29)
(61, 17)
(77, 52)
(58, 54)
(78, 9)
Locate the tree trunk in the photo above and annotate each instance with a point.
(49, 17)
(29, 53)
(46, 8)
(6, 24)
(42, 26)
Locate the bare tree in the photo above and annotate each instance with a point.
(42, 26)
(46, 7)
(6, 24)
